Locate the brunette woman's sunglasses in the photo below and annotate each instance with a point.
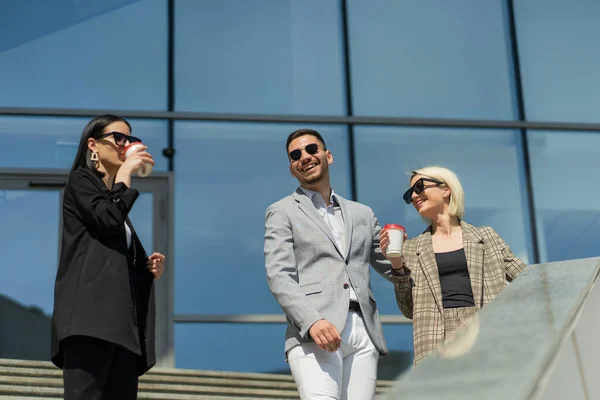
(311, 149)
(418, 188)
(120, 138)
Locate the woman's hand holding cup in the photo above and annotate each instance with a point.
(391, 240)
(137, 159)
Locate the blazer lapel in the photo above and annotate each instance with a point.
(348, 223)
(429, 267)
(473, 245)
(307, 207)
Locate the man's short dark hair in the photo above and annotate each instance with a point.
(302, 132)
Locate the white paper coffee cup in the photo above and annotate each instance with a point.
(396, 235)
(146, 169)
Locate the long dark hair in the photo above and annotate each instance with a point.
(93, 129)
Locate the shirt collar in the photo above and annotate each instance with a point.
(317, 199)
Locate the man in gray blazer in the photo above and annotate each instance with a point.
(318, 247)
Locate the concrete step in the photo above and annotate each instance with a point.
(23, 379)
(16, 393)
(36, 384)
(29, 385)
(30, 391)
(7, 374)
(44, 366)
(7, 397)
(53, 378)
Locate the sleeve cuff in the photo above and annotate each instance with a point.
(123, 195)
(398, 278)
(401, 271)
(307, 325)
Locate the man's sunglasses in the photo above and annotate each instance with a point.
(311, 149)
(418, 188)
(120, 138)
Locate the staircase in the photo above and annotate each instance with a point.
(36, 380)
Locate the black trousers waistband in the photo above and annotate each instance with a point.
(355, 307)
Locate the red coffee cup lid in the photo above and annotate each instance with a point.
(130, 145)
(394, 226)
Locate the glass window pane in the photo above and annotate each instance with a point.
(84, 54)
(227, 176)
(260, 56)
(224, 347)
(565, 194)
(51, 142)
(431, 58)
(558, 58)
(142, 218)
(488, 163)
(30, 243)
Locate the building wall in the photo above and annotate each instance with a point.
(431, 59)
(24, 331)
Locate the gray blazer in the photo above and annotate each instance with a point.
(309, 275)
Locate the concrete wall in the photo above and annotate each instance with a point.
(575, 374)
(24, 332)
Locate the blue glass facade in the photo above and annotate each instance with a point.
(228, 174)
(260, 56)
(96, 54)
(301, 58)
(431, 59)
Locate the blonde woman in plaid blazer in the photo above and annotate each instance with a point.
(453, 268)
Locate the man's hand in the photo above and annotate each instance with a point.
(325, 335)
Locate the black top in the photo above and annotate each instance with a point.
(103, 289)
(454, 279)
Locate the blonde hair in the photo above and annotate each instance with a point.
(450, 180)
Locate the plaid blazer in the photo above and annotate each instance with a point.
(491, 264)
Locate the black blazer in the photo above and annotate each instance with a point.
(103, 289)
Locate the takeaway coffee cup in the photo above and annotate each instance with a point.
(146, 169)
(396, 235)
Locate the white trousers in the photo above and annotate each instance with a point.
(350, 373)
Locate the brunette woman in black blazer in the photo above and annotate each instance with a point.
(103, 321)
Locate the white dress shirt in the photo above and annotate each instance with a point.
(332, 215)
(128, 235)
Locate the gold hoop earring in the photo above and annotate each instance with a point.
(94, 156)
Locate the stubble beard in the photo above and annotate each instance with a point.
(319, 177)
(315, 179)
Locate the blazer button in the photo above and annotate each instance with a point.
(346, 286)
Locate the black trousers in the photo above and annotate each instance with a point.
(94, 369)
